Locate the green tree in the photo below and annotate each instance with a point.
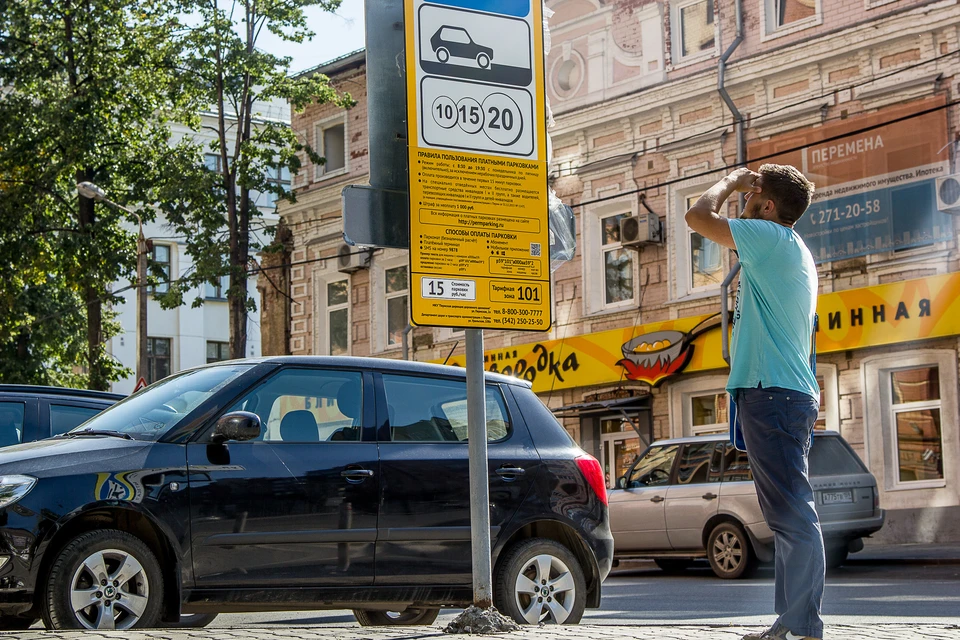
(88, 90)
(229, 77)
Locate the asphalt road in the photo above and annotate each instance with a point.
(645, 595)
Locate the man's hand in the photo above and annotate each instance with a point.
(744, 181)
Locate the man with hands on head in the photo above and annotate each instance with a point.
(775, 390)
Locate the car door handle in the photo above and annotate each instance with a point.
(656, 499)
(709, 496)
(356, 475)
(510, 473)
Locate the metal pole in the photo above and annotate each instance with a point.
(479, 473)
(141, 306)
(725, 312)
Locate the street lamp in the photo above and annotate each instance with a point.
(93, 192)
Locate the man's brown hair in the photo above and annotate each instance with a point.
(788, 188)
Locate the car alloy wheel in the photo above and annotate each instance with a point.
(540, 581)
(104, 579)
(109, 590)
(729, 551)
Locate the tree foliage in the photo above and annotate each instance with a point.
(88, 90)
(230, 76)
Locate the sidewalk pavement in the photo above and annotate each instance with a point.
(916, 631)
(892, 554)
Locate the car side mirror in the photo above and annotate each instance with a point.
(622, 482)
(238, 426)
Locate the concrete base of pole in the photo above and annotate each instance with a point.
(481, 621)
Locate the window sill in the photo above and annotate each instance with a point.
(696, 296)
(800, 25)
(915, 486)
(620, 307)
(322, 177)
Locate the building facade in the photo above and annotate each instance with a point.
(188, 336)
(859, 94)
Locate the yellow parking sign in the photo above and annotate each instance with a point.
(479, 238)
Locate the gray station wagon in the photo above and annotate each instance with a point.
(693, 498)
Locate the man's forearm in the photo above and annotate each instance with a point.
(714, 197)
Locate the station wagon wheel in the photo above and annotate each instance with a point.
(407, 617)
(540, 581)
(103, 580)
(442, 54)
(729, 552)
(483, 60)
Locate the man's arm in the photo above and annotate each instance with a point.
(702, 216)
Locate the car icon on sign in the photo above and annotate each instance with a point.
(455, 42)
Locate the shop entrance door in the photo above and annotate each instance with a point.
(619, 448)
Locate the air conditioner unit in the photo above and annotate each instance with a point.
(350, 259)
(639, 231)
(948, 194)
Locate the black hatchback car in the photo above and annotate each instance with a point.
(298, 483)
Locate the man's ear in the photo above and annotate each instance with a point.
(770, 210)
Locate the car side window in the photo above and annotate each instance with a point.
(63, 417)
(736, 467)
(455, 35)
(11, 423)
(435, 410)
(307, 405)
(695, 462)
(653, 470)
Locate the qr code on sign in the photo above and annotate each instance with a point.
(535, 249)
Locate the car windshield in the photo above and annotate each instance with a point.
(154, 411)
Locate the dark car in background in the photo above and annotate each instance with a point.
(29, 413)
(299, 483)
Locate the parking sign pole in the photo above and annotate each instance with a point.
(479, 473)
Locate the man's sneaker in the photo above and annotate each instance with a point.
(777, 632)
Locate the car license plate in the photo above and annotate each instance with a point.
(837, 497)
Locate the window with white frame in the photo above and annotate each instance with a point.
(916, 416)
(787, 16)
(828, 416)
(217, 291)
(698, 405)
(331, 137)
(336, 317)
(396, 289)
(617, 262)
(160, 257)
(705, 258)
(279, 176)
(708, 412)
(695, 33)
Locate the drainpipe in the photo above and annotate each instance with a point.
(405, 341)
(741, 160)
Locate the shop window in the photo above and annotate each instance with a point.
(789, 16)
(617, 262)
(158, 359)
(698, 406)
(620, 445)
(709, 413)
(695, 35)
(331, 145)
(915, 411)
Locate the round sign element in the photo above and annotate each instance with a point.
(444, 112)
(503, 121)
(470, 115)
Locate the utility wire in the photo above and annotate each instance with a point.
(768, 156)
(720, 127)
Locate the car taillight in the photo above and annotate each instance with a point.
(591, 470)
(876, 499)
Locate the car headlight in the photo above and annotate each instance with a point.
(13, 488)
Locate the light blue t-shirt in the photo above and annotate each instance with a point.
(776, 303)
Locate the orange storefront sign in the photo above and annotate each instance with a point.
(654, 352)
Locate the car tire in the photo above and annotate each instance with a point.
(729, 551)
(442, 54)
(835, 556)
(408, 617)
(16, 623)
(539, 563)
(132, 600)
(483, 60)
(673, 565)
(193, 621)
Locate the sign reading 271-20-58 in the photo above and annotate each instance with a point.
(479, 240)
